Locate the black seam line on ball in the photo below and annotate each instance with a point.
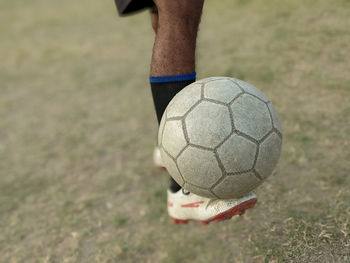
(178, 169)
(221, 166)
(256, 156)
(217, 182)
(178, 155)
(231, 119)
(170, 156)
(235, 98)
(184, 130)
(239, 86)
(200, 147)
(278, 132)
(265, 136)
(215, 101)
(175, 118)
(240, 172)
(201, 187)
(202, 91)
(192, 107)
(268, 108)
(223, 141)
(250, 138)
(255, 96)
(257, 175)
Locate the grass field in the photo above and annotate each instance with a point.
(77, 130)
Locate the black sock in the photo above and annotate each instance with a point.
(174, 186)
(164, 88)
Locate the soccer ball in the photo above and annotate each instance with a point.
(220, 137)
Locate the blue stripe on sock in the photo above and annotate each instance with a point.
(173, 78)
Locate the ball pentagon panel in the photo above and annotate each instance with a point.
(223, 90)
(199, 167)
(269, 153)
(251, 90)
(251, 116)
(237, 185)
(237, 154)
(208, 124)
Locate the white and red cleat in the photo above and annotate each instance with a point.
(184, 206)
(157, 159)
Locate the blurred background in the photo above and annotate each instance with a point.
(77, 130)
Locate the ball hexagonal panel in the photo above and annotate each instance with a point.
(184, 100)
(235, 186)
(251, 116)
(237, 154)
(171, 167)
(275, 118)
(251, 89)
(199, 167)
(199, 191)
(173, 139)
(208, 124)
(269, 153)
(223, 90)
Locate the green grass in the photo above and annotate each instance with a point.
(77, 128)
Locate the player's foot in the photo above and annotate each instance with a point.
(157, 159)
(184, 206)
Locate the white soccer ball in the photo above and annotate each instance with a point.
(220, 137)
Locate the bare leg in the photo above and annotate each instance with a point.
(154, 19)
(175, 24)
(176, 29)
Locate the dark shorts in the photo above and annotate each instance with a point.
(129, 6)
